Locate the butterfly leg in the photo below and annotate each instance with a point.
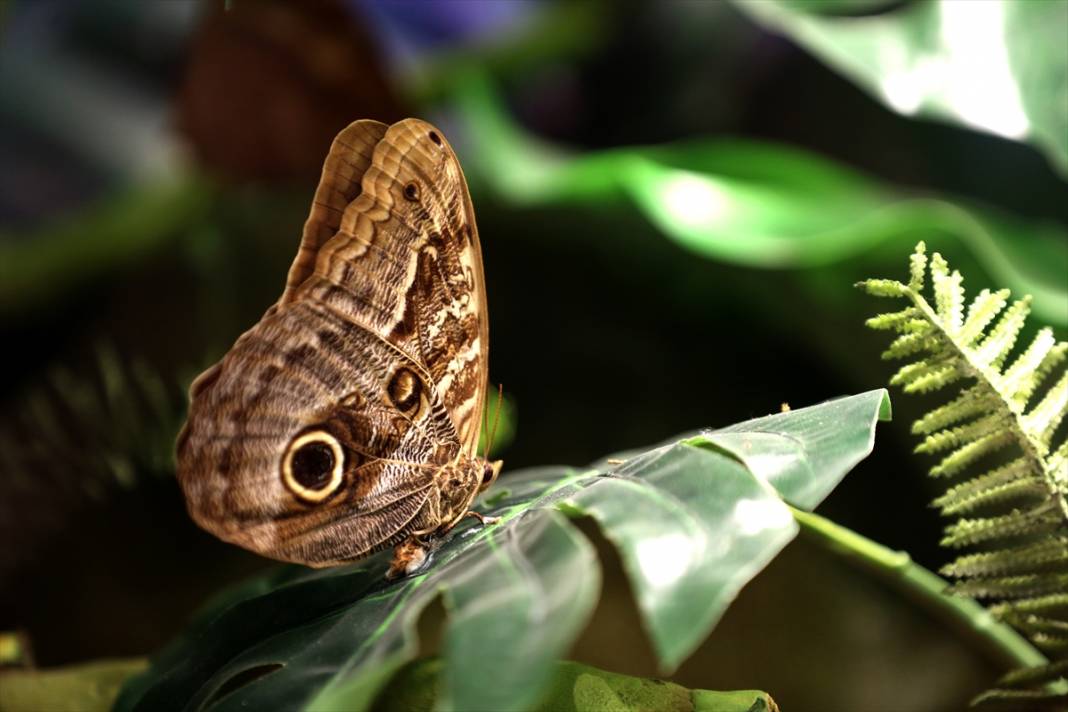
(408, 557)
(483, 519)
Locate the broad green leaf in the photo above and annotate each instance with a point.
(795, 451)
(696, 542)
(997, 66)
(692, 524)
(759, 204)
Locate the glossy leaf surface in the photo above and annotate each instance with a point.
(693, 524)
(997, 66)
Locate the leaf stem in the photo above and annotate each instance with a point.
(998, 641)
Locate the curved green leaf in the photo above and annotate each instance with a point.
(797, 454)
(758, 204)
(37, 266)
(696, 541)
(693, 524)
(997, 65)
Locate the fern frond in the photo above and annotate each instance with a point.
(984, 308)
(949, 294)
(968, 532)
(1024, 586)
(962, 435)
(971, 402)
(998, 432)
(906, 321)
(909, 344)
(1022, 377)
(970, 452)
(917, 267)
(985, 491)
(927, 375)
(1054, 603)
(1042, 420)
(79, 437)
(1030, 558)
(994, 349)
(884, 287)
(1049, 642)
(1040, 673)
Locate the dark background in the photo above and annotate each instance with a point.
(157, 164)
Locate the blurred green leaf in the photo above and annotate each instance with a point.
(760, 204)
(580, 688)
(841, 7)
(90, 687)
(998, 65)
(39, 265)
(693, 525)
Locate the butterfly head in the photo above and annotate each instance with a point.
(490, 472)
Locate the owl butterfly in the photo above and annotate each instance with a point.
(347, 420)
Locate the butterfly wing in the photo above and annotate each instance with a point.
(317, 436)
(342, 180)
(413, 224)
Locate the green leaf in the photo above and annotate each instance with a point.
(41, 265)
(757, 204)
(795, 451)
(997, 66)
(575, 687)
(694, 545)
(693, 524)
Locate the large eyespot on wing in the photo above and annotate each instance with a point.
(313, 466)
(406, 264)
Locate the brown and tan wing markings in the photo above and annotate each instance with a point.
(342, 179)
(412, 224)
(352, 537)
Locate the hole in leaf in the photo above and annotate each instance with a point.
(616, 623)
(430, 627)
(434, 137)
(241, 679)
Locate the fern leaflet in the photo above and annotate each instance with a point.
(996, 437)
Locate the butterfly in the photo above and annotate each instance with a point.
(347, 419)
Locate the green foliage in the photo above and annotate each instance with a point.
(580, 688)
(999, 436)
(39, 267)
(693, 522)
(752, 203)
(997, 66)
(77, 438)
(111, 423)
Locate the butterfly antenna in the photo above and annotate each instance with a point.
(485, 430)
(496, 421)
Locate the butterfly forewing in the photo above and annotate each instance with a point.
(342, 180)
(413, 225)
